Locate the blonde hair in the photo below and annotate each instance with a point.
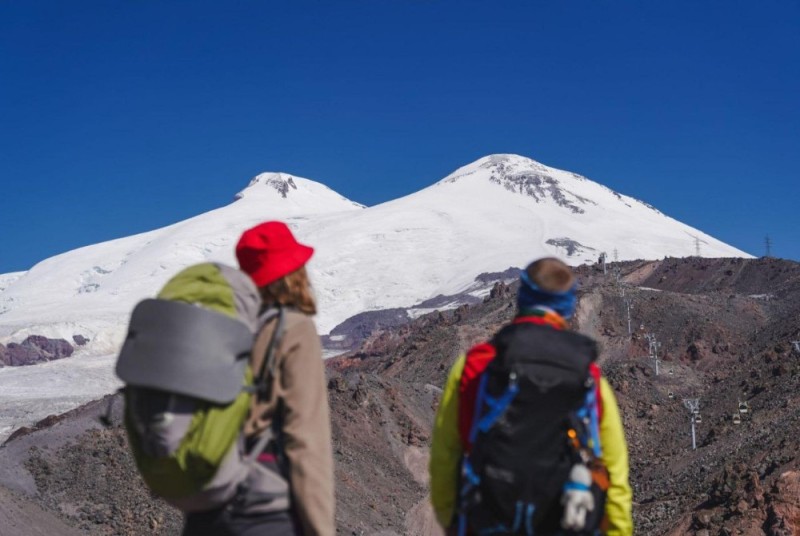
(291, 290)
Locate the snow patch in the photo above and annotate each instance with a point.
(29, 394)
(6, 280)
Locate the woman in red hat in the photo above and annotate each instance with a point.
(295, 408)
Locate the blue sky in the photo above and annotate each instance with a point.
(121, 117)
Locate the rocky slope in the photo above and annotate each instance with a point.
(725, 327)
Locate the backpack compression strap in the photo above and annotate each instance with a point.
(181, 348)
(243, 496)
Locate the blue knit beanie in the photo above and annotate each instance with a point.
(531, 295)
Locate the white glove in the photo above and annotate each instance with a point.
(577, 498)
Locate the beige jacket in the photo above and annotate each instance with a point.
(300, 382)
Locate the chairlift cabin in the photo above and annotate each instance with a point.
(671, 395)
(671, 372)
(743, 407)
(737, 419)
(698, 418)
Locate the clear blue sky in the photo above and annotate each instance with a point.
(118, 117)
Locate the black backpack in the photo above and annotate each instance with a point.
(535, 417)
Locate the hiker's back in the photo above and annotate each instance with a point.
(296, 407)
(528, 402)
(516, 444)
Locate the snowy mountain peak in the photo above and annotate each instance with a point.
(510, 162)
(527, 177)
(272, 185)
(497, 164)
(280, 182)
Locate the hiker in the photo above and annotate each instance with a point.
(295, 409)
(528, 432)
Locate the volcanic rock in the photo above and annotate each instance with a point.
(36, 349)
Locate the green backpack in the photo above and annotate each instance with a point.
(188, 387)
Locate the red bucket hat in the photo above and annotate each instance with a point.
(269, 251)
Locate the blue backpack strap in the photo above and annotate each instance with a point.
(589, 411)
(470, 481)
(530, 510)
(473, 432)
(496, 406)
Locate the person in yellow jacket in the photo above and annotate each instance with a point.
(546, 299)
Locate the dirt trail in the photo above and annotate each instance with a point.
(421, 520)
(639, 275)
(416, 460)
(586, 314)
(21, 517)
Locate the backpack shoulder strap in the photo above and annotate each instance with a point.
(594, 370)
(267, 370)
(592, 410)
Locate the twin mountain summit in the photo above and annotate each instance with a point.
(498, 212)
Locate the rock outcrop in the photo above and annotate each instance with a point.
(34, 349)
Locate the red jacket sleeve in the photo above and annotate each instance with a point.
(477, 360)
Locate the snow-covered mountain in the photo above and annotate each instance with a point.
(500, 211)
(91, 290)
